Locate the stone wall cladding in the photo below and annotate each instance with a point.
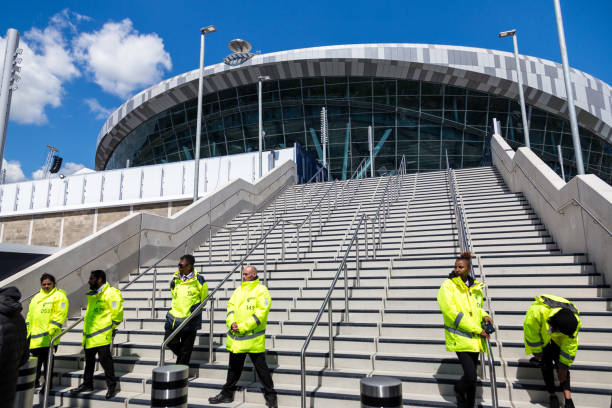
(106, 216)
(77, 225)
(157, 209)
(46, 230)
(16, 230)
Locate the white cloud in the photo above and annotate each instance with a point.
(121, 59)
(14, 173)
(67, 169)
(46, 64)
(95, 107)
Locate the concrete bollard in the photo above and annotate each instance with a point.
(381, 392)
(25, 384)
(170, 386)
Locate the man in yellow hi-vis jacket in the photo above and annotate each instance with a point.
(188, 289)
(103, 315)
(551, 335)
(46, 315)
(247, 316)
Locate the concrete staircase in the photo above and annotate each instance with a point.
(394, 326)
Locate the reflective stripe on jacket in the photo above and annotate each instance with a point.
(46, 315)
(186, 296)
(538, 333)
(248, 308)
(463, 313)
(103, 315)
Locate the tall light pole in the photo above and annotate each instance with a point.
(259, 98)
(196, 166)
(7, 82)
(568, 90)
(512, 33)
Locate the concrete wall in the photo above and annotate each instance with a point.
(61, 229)
(576, 213)
(141, 238)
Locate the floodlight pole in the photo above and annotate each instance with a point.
(568, 90)
(7, 86)
(196, 153)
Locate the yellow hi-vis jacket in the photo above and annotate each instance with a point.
(103, 315)
(248, 308)
(186, 296)
(463, 313)
(538, 333)
(46, 316)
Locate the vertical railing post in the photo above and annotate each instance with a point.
(211, 343)
(320, 222)
(283, 241)
(357, 257)
(365, 235)
(346, 302)
(210, 245)
(230, 246)
(266, 262)
(154, 293)
(331, 334)
(248, 240)
(310, 234)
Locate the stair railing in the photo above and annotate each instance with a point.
(327, 302)
(465, 243)
(210, 298)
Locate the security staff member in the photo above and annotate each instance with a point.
(551, 335)
(47, 313)
(188, 289)
(103, 315)
(247, 315)
(460, 300)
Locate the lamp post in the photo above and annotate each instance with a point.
(196, 167)
(568, 90)
(259, 97)
(512, 33)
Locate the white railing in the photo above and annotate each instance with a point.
(162, 182)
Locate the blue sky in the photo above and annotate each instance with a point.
(83, 59)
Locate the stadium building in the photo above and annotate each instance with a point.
(421, 100)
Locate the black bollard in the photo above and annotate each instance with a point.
(381, 392)
(25, 384)
(170, 386)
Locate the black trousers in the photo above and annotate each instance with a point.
(550, 360)
(236, 364)
(182, 345)
(106, 361)
(466, 386)
(42, 354)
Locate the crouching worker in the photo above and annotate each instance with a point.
(47, 313)
(103, 315)
(551, 335)
(247, 316)
(460, 300)
(188, 289)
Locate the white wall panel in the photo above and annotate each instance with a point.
(173, 180)
(24, 196)
(41, 193)
(58, 188)
(131, 184)
(111, 186)
(75, 190)
(93, 187)
(9, 194)
(152, 182)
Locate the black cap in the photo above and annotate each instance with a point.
(565, 322)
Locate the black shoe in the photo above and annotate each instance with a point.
(112, 391)
(272, 404)
(553, 401)
(82, 388)
(569, 403)
(221, 398)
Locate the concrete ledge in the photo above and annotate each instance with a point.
(577, 213)
(141, 239)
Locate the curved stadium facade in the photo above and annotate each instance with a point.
(421, 101)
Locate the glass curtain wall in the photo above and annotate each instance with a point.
(417, 119)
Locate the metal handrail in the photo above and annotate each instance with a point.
(48, 371)
(328, 302)
(466, 245)
(199, 308)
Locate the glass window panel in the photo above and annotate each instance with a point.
(227, 93)
(406, 87)
(405, 118)
(361, 90)
(431, 102)
(407, 141)
(384, 141)
(359, 139)
(453, 90)
(272, 113)
(252, 144)
(429, 147)
(429, 162)
(234, 134)
(236, 147)
(289, 83)
(428, 88)
(476, 118)
(385, 100)
(360, 116)
(294, 125)
(477, 103)
(408, 102)
(273, 128)
(313, 93)
(384, 87)
(291, 138)
(384, 118)
(472, 161)
(273, 142)
(218, 149)
(250, 89)
(338, 91)
(498, 105)
(336, 80)
(291, 95)
(430, 132)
